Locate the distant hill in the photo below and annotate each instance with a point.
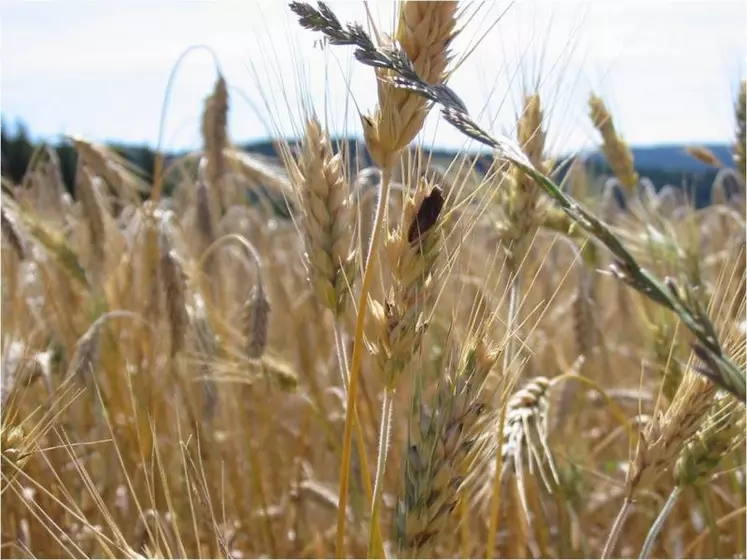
(671, 158)
(663, 165)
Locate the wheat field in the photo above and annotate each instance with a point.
(415, 359)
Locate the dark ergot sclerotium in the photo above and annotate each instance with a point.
(428, 213)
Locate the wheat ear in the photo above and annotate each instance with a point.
(445, 451)
(661, 442)
(522, 214)
(525, 436)
(87, 349)
(175, 288)
(255, 312)
(740, 144)
(720, 433)
(424, 31)
(324, 195)
(256, 318)
(412, 252)
(215, 139)
(114, 169)
(614, 147)
(704, 155)
(86, 193)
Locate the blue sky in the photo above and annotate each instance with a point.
(668, 70)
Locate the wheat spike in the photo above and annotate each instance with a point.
(525, 431)
(665, 435)
(522, 209)
(614, 147)
(445, 451)
(324, 196)
(704, 155)
(87, 350)
(95, 218)
(722, 429)
(174, 287)
(584, 321)
(425, 31)
(114, 169)
(412, 252)
(207, 350)
(740, 145)
(215, 139)
(255, 320)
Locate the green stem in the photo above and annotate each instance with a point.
(655, 529)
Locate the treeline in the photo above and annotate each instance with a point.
(662, 165)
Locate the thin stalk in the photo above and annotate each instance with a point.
(386, 425)
(710, 520)
(365, 473)
(513, 311)
(720, 523)
(655, 529)
(355, 367)
(617, 528)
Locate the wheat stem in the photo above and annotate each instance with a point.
(365, 473)
(653, 532)
(513, 308)
(357, 358)
(386, 424)
(617, 528)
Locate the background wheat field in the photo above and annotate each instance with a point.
(394, 355)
